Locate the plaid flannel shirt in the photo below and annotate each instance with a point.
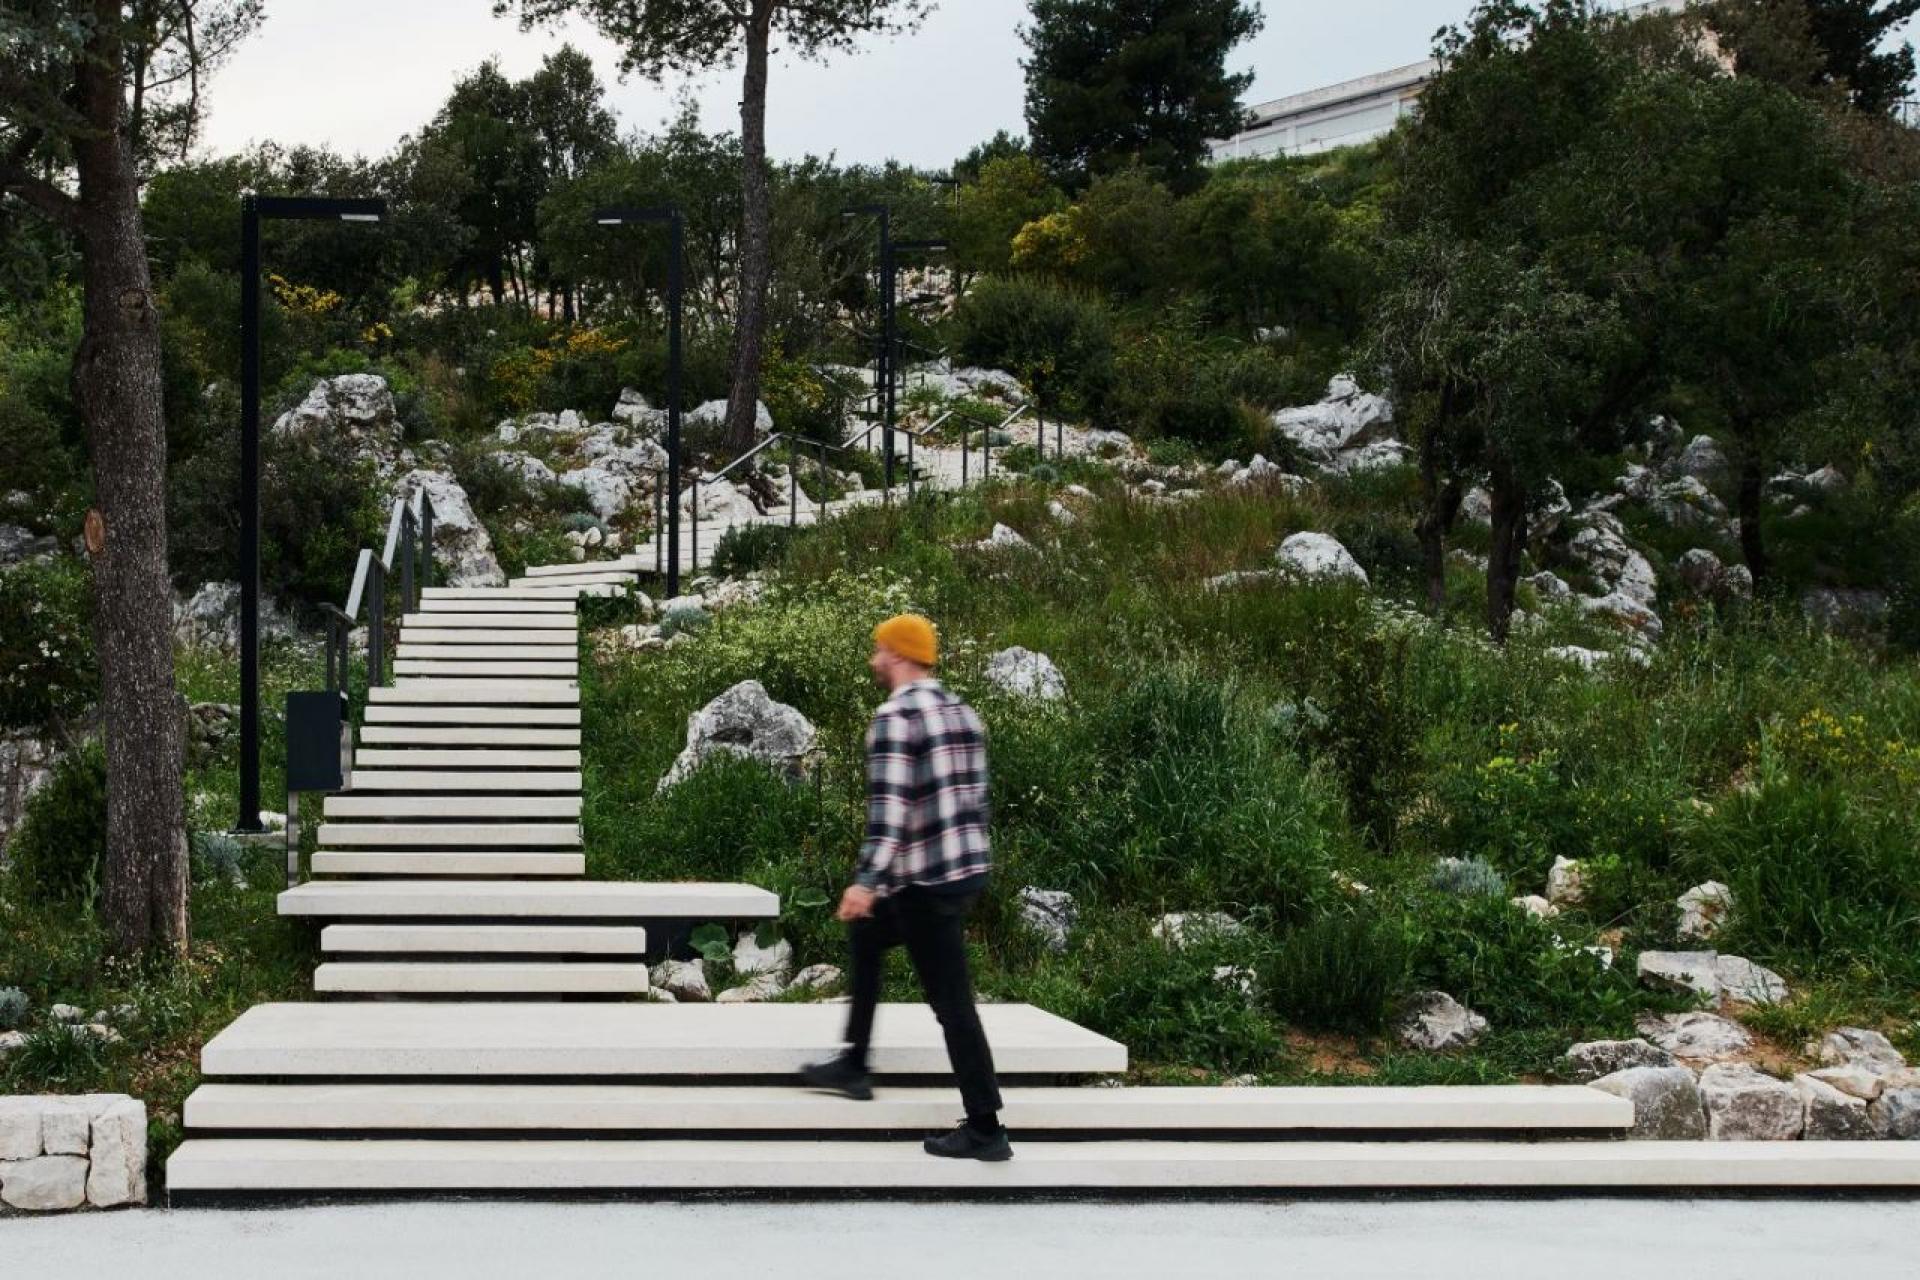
(926, 791)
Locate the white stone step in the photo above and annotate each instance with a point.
(402, 713)
(561, 590)
(478, 939)
(613, 1108)
(524, 605)
(481, 1039)
(374, 759)
(506, 595)
(318, 1165)
(504, 623)
(450, 835)
(420, 780)
(493, 651)
(412, 639)
(492, 736)
(563, 669)
(467, 978)
(340, 862)
(477, 692)
(551, 900)
(585, 577)
(627, 564)
(453, 807)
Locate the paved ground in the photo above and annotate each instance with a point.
(1484, 1240)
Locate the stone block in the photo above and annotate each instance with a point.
(117, 1173)
(44, 1184)
(65, 1126)
(1666, 1102)
(1833, 1116)
(1745, 1105)
(19, 1128)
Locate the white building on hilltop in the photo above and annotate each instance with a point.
(1349, 113)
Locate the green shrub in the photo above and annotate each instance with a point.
(1468, 878)
(748, 548)
(48, 670)
(1056, 341)
(57, 1056)
(58, 853)
(1341, 971)
(320, 503)
(13, 1008)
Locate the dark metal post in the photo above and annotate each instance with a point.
(888, 340)
(426, 544)
(406, 561)
(675, 284)
(249, 819)
(377, 625)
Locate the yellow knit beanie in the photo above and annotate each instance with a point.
(911, 636)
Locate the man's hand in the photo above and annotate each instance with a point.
(855, 904)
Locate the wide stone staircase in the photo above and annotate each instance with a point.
(485, 1025)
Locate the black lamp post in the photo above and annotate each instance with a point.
(254, 208)
(883, 365)
(677, 234)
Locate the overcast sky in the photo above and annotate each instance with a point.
(355, 75)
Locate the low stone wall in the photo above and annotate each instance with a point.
(65, 1153)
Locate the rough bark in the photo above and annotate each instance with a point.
(756, 236)
(1503, 561)
(1752, 543)
(1440, 509)
(117, 385)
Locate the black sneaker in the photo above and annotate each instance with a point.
(968, 1143)
(839, 1075)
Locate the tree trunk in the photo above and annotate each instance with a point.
(1437, 515)
(117, 386)
(497, 278)
(756, 238)
(1503, 561)
(1752, 489)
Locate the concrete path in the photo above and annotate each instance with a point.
(1483, 1240)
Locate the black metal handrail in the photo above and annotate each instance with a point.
(409, 547)
(796, 443)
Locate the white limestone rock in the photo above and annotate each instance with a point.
(751, 959)
(1319, 556)
(1702, 459)
(26, 764)
(1346, 418)
(760, 988)
(1600, 544)
(358, 406)
(1896, 1113)
(1628, 614)
(1694, 972)
(1667, 1106)
(68, 1013)
(1380, 455)
(1061, 512)
(1857, 1046)
(745, 722)
(1434, 1020)
(1596, 1058)
(1746, 1105)
(1832, 1115)
(1844, 610)
(684, 980)
(817, 977)
(11, 1041)
(64, 1127)
(1566, 883)
(1705, 574)
(1026, 674)
(1050, 913)
(1243, 578)
(713, 413)
(19, 543)
(528, 469)
(1238, 978)
(117, 1160)
(1687, 504)
(210, 619)
(632, 410)
(44, 1184)
(1589, 660)
(1535, 905)
(1744, 982)
(462, 551)
(1695, 1037)
(1550, 587)
(1003, 539)
(1704, 910)
(19, 1128)
(1181, 929)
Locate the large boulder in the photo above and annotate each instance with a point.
(632, 410)
(1181, 929)
(1346, 418)
(684, 980)
(528, 469)
(1832, 1115)
(1434, 1020)
(1566, 883)
(1702, 459)
(1596, 1058)
(210, 618)
(1705, 574)
(1746, 1105)
(1704, 910)
(1026, 674)
(750, 958)
(26, 762)
(1050, 914)
(1686, 972)
(714, 413)
(1896, 1113)
(1859, 1047)
(462, 550)
(358, 406)
(1600, 544)
(747, 723)
(1319, 556)
(1666, 1102)
(1695, 1037)
(608, 494)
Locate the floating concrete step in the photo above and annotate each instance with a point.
(624, 564)
(480, 939)
(524, 605)
(375, 759)
(480, 1039)
(535, 900)
(506, 623)
(564, 669)
(491, 651)
(338, 862)
(423, 780)
(416, 713)
(443, 735)
(412, 639)
(581, 576)
(319, 1165)
(475, 692)
(693, 1108)
(469, 978)
(438, 595)
(461, 807)
(450, 835)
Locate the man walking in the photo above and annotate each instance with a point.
(922, 867)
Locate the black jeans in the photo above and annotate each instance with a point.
(933, 928)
